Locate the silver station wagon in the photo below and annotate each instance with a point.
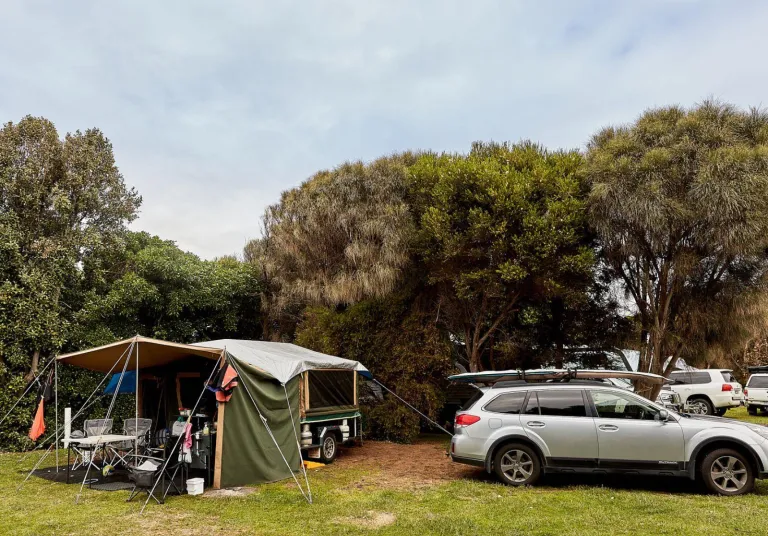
(522, 424)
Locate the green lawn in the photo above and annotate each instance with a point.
(348, 501)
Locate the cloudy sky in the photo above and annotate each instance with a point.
(214, 108)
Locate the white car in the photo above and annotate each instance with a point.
(707, 391)
(756, 393)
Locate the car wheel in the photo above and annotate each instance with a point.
(517, 465)
(727, 472)
(701, 406)
(752, 410)
(329, 448)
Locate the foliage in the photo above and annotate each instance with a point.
(501, 224)
(399, 343)
(680, 202)
(340, 237)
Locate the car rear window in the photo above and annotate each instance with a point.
(691, 377)
(565, 403)
(471, 402)
(510, 403)
(758, 382)
(728, 377)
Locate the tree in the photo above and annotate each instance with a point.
(340, 237)
(680, 201)
(501, 224)
(153, 288)
(59, 199)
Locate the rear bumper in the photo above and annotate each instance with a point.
(468, 461)
(756, 402)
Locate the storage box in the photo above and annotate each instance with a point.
(195, 486)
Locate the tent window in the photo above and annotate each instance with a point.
(330, 388)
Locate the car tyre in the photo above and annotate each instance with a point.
(329, 448)
(720, 411)
(703, 406)
(752, 410)
(727, 472)
(516, 464)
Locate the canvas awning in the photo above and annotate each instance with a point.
(281, 360)
(152, 353)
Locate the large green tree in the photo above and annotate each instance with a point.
(498, 225)
(680, 201)
(59, 200)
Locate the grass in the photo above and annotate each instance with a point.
(342, 505)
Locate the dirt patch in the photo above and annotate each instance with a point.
(369, 520)
(227, 492)
(392, 465)
(160, 521)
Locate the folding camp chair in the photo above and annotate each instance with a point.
(145, 477)
(131, 427)
(84, 456)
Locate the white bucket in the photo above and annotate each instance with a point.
(195, 486)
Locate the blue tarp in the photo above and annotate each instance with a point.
(127, 386)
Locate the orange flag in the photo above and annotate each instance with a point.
(38, 424)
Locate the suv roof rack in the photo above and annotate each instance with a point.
(758, 370)
(491, 377)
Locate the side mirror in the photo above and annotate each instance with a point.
(663, 415)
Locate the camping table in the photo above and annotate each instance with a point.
(94, 442)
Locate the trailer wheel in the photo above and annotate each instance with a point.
(329, 448)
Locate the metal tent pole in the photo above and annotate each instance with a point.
(136, 396)
(56, 408)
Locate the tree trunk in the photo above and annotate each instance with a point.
(558, 312)
(35, 364)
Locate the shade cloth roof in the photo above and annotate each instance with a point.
(152, 353)
(282, 360)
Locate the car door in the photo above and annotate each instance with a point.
(559, 419)
(630, 434)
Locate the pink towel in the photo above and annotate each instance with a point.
(187, 437)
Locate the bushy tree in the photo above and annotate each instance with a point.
(499, 225)
(680, 201)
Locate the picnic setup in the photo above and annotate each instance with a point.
(215, 414)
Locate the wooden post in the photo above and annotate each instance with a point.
(219, 447)
(354, 387)
(302, 402)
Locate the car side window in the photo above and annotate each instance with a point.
(510, 403)
(611, 405)
(565, 403)
(691, 377)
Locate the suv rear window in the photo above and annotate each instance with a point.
(691, 377)
(759, 382)
(510, 403)
(728, 377)
(565, 403)
(471, 402)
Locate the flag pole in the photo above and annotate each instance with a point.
(56, 407)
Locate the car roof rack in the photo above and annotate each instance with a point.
(539, 375)
(758, 369)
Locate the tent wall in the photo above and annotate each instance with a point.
(248, 454)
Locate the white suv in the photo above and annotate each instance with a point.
(708, 391)
(756, 393)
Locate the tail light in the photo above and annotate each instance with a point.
(466, 420)
(746, 392)
(727, 387)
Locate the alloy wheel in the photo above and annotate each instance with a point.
(329, 447)
(517, 466)
(699, 407)
(729, 473)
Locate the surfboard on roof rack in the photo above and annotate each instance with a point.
(493, 376)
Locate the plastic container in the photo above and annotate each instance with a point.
(195, 486)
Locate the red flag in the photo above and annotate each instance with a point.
(38, 424)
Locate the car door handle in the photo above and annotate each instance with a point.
(536, 424)
(608, 427)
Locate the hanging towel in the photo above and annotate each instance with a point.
(38, 423)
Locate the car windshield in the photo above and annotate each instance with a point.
(758, 382)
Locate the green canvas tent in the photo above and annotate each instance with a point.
(286, 399)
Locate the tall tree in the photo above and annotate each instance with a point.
(59, 199)
(680, 201)
(501, 224)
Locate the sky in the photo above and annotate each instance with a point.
(215, 108)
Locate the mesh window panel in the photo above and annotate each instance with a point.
(331, 388)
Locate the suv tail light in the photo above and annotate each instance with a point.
(727, 387)
(746, 392)
(466, 420)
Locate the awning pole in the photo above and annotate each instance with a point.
(56, 408)
(414, 409)
(298, 445)
(136, 396)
